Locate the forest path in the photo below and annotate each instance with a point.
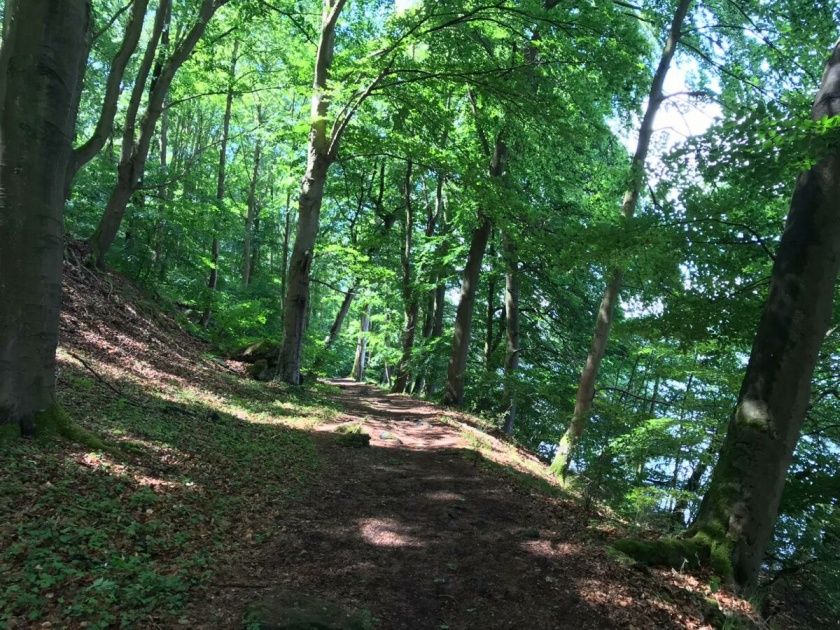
(423, 530)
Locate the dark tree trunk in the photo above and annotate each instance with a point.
(606, 311)
(321, 153)
(133, 161)
(512, 326)
(40, 82)
(454, 394)
(410, 301)
(741, 504)
(338, 322)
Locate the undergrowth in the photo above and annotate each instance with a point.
(119, 535)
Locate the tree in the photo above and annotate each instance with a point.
(606, 310)
(135, 149)
(41, 59)
(739, 508)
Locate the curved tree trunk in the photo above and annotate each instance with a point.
(40, 82)
(113, 86)
(740, 507)
(606, 311)
(320, 157)
(133, 162)
(454, 394)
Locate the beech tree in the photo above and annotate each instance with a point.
(41, 61)
(739, 508)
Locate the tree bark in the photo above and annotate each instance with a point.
(320, 157)
(740, 507)
(360, 363)
(252, 216)
(454, 394)
(133, 162)
(512, 326)
(410, 301)
(490, 312)
(456, 373)
(113, 87)
(40, 65)
(338, 322)
(221, 179)
(606, 311)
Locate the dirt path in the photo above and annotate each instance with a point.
(423, 532)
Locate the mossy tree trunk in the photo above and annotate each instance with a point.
(41, 59)
(740, 507)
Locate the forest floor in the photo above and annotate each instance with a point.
(218, 501)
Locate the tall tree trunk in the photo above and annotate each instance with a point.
(454, 394)
(320, 157)
(221, 179)
(606, 311)
(113, 86)
(284, 256)
(338, 322)
(252, 215)
(40, 82)
(491, 310)
(133, 162)
(512, 326)
(410, 301)
(741, 504)
(360, 363)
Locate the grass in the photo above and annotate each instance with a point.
(120, 535)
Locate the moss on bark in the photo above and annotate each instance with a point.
(54, 421)
(696, 551)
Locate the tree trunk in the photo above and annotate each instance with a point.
(454, 394)
(251, 218)
(320, 157)
(360, 362)
(132, 165)
(512, 326)
(606, 312)
(410, 301)
(335, 329)
(491, 311)
(113, 86)
(221, 179)
(284, 260)
(741, 504)
(40, 66)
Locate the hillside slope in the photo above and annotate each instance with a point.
(216, 492)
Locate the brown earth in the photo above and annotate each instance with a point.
(429, 529)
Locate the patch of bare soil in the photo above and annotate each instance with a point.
(426, 530)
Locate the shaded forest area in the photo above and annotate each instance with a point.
(608, 231)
